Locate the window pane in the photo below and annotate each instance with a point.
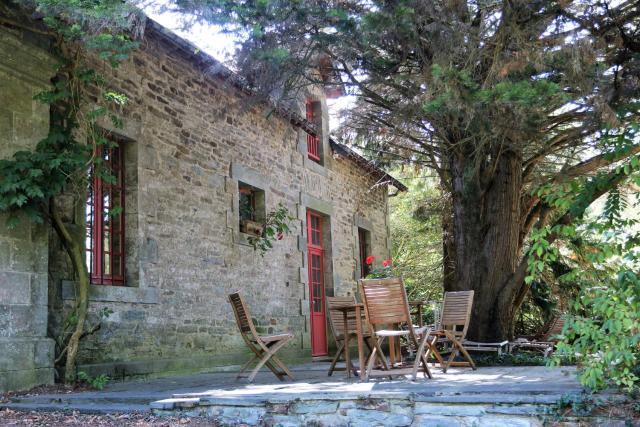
(105, 227)
(106, 264)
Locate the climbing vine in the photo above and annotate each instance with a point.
(32, 182)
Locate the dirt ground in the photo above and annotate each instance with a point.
(55, 419)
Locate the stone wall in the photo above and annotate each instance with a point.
(26, 355)
(194, 138)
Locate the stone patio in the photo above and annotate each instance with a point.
(488, 396)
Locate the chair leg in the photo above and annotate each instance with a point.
(425, 357)
(371, 345)
(278, 363)
(467, 356)
(454, 353)
(283, 367)
(267, 355)
(246, 365)
(336, 358)
(420, 358)
(459, 348)
(372, 357)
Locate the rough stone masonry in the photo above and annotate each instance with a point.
(190, 140)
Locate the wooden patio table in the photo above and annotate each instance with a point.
(357, 309)
(418, 305)
(393, 341)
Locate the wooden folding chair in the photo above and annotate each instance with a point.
(264, 347)
(386, 304)
(336, 323)
(456, 313)
(545, 341)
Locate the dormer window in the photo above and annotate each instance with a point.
(314, 145)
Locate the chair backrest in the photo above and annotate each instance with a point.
(243, 317)
(385, 302)
(456, 312)
(552, 329)
(336, 319)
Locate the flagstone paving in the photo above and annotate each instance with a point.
(459, 397)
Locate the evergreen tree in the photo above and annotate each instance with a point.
(508, 101)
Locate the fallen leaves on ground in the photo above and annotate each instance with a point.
(9, 417)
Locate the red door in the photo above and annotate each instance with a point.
(316, 285)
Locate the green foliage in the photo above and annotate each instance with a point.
(576, 405)
(604, 333)
(416, 236)
(276, 225)
(602, 256)
(98, 382)
(31, 178)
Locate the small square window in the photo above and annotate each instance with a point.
(251, 209)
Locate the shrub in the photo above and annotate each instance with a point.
(604, 335)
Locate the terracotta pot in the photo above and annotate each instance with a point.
(251, 227)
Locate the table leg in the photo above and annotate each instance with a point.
(347, 359)
(359, 337)
(420, 322)
(392, 349)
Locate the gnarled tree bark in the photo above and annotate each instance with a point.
(76, 251)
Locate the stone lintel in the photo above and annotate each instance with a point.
(316, 204)
(315, 166)
(362, 222)
(248, 176)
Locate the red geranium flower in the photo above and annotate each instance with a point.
(386, 263)
(370, 259)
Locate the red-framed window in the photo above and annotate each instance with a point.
(314, 222)
(313, 142)
(105, 217)
(363, 242)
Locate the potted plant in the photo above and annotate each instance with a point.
(251, 227)
(380, 272)
(248, 224)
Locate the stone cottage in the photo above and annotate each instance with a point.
(190, 158)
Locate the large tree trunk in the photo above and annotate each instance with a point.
(486, 227)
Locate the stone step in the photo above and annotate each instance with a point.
(57, 399)
(491, 398)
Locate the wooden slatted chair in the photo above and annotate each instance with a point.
(456, 313)
(336, 323)
(545, 341)
(386, 305)
(263, 346)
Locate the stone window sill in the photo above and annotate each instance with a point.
(243, 239)
(106, 293)
(314, 166)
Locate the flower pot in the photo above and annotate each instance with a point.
(251, 227)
